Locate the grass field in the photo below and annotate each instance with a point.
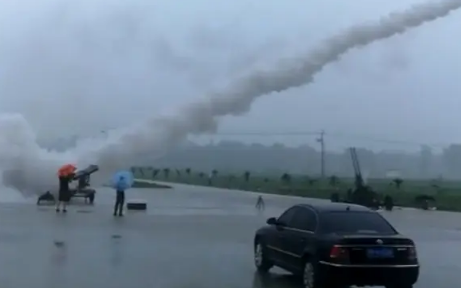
(447, 193)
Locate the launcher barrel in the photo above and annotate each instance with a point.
(86, 172)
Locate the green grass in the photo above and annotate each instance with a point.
(447, 193)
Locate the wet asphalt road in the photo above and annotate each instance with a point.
(189, 237)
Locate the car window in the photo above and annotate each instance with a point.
(355, 222)
(287, 215)
(304, 219)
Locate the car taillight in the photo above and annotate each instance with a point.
(338, 252)
(412, 255)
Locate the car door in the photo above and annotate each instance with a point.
(274, 241)
(300, 236)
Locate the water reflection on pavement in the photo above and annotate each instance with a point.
(189, 237)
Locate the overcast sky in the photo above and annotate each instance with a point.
(84, 66)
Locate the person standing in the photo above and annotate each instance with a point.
(120, 187)
(64, 192)
(260, 203)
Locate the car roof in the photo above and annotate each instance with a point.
(335, 207)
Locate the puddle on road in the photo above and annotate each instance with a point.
(84, 211)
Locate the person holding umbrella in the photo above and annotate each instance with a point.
(121, 182)
(65, 174)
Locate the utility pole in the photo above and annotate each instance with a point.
(321, 140)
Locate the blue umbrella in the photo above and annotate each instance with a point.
(122, 180)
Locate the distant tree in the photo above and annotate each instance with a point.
(437, 188)
(166, 172)
(266, 180)
(435, 181)
(188, 171)
(333, 180)
(258, 157)
(178, 173)
(155, 173)
(397, 182)
(286, 178)
(312, 181)
(214, 173)
(246, 176)
(201, 175)
(305, 178)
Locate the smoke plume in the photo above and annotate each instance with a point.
(30, 168)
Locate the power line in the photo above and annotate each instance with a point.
(266, 133)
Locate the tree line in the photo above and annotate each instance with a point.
(235, 157)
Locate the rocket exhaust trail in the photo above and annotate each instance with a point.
(158, 135)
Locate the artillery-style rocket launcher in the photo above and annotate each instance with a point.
(83, 189)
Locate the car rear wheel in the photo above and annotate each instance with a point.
(308, 275)
(261, 262)
(311, 279)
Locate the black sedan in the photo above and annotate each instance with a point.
(337, 245)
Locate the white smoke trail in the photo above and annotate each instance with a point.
(36, 168)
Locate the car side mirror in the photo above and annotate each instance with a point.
(272, 221)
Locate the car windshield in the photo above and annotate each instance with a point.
(354, 222)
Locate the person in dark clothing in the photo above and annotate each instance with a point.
(260, 203)
(388, 203)
(120, 187)
(64, 193)
(119, 202)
